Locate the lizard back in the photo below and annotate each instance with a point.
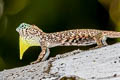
(77, 37)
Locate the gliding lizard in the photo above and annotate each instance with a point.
(31, 35)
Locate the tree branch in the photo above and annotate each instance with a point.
(97, 64)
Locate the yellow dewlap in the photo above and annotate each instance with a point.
(23, 46)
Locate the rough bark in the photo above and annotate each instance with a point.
(98, 64)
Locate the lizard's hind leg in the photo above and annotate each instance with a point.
(104, 41)
(100, 40)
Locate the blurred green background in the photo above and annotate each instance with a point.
(51, 16)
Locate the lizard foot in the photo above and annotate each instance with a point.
(93, 48)
(97, 47)
(34, 62)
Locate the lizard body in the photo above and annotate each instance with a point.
(31, 35)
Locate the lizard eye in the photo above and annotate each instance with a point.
(22, 26)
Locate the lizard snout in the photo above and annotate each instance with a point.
(17, 29)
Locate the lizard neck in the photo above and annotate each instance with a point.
(34, 38)
(42, 36)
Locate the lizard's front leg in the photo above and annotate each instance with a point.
(46, 55)
(43, 55)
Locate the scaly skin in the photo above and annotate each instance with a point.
(31, 35)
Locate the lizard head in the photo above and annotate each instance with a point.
(22, 26)
(25, 29)
(29, 36)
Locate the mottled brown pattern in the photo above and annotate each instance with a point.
(76, 37)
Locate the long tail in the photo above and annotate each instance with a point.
(112, 34)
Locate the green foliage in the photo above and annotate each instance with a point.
(2, 64)
(113, 7)
(15, 6)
